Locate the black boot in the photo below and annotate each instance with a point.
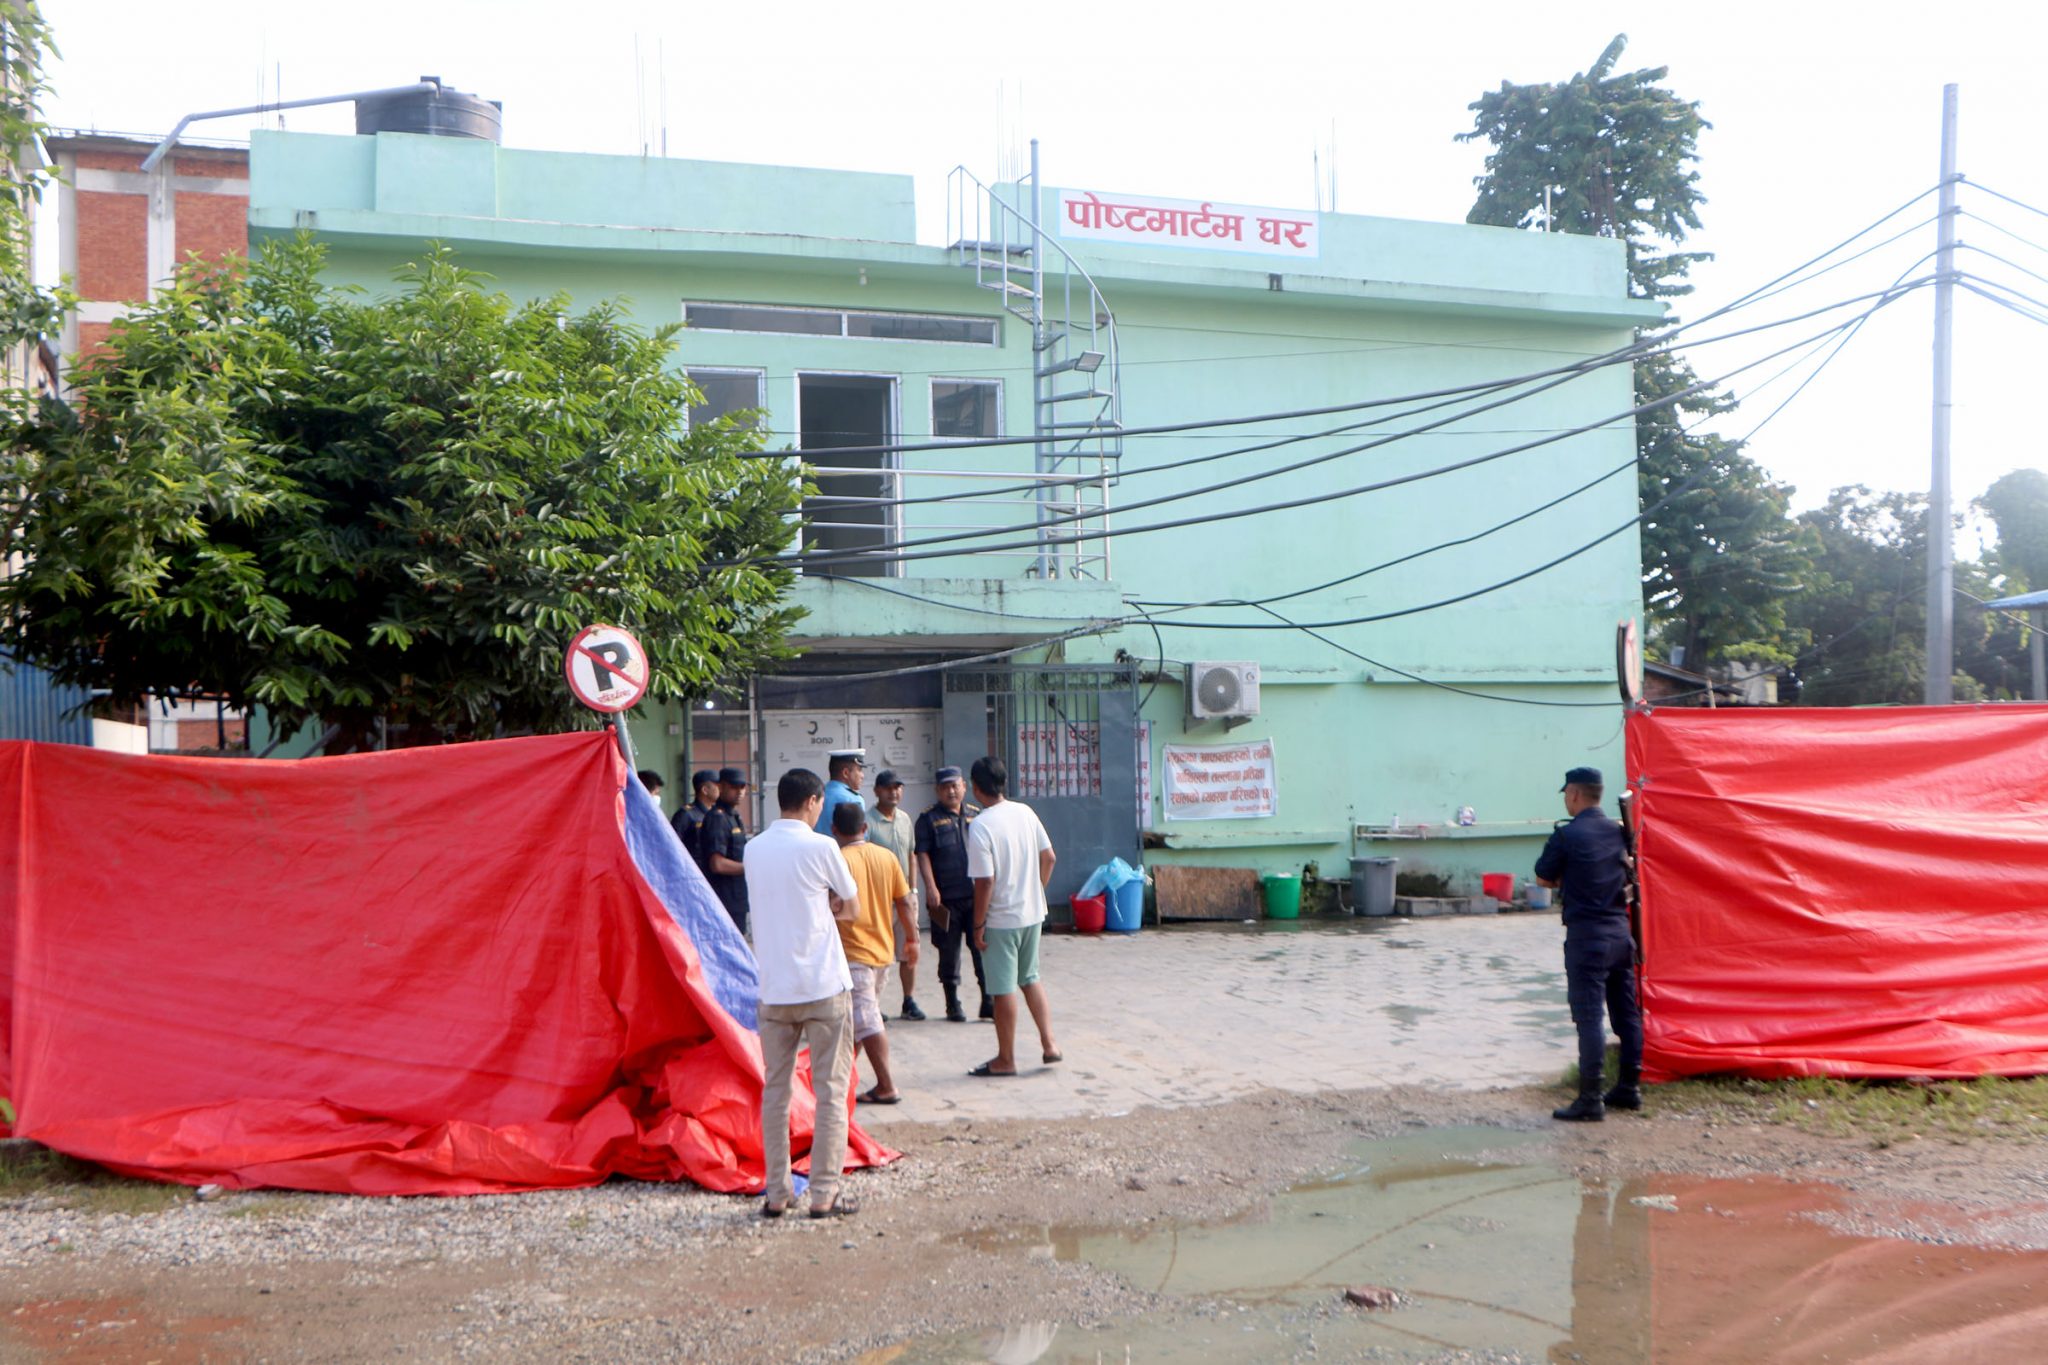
(988, 1007)
(1627, 1092)
(954, 1014)
(1587, 1108)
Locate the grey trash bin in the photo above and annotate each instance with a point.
(1372, 886)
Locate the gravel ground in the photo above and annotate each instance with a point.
(628, 1271)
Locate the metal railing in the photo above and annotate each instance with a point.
(1077, 411)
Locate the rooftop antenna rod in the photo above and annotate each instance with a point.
(661, 68)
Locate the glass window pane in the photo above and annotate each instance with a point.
(965, 408)
(914, 327)
(724, 393)
(728, 317)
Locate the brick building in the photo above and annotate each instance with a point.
(122, 231)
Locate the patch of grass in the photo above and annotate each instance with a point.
(1880, 1112)
(29, 1171)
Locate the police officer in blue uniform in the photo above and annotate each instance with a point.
(941, 844)
(722, 846)
(689, 821)
(1587, 861)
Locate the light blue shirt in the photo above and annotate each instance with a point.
(837, 794)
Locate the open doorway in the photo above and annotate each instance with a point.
(850, 510)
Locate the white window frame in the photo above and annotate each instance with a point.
(760, 385)
(993, 343)
(932, 404)
(894, 436)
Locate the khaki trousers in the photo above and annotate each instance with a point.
(826, 1026)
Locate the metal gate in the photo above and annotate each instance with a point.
(1068, 735)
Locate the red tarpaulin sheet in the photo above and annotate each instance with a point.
(434, 971)
(1844, 893)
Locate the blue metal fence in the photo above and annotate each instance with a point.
(35, 706)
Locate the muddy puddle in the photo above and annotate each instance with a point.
(1499, 1254)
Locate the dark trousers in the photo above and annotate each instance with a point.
(1601, 971)
(959, 927)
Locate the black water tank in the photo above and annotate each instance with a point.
(439, 112)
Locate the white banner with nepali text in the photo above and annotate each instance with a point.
(1205, 225)
(1221, 782)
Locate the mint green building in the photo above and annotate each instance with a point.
(1075, 596)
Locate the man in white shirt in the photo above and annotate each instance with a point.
(1009, 859)
(799, 888)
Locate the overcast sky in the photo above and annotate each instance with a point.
(1825, 117)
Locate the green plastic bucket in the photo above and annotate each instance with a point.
(1283, 896)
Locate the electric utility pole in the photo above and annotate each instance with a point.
(1941, 601)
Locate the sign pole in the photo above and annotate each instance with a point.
(618, 724)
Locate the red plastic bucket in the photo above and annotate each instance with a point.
(1499, 885)
(1090, 913)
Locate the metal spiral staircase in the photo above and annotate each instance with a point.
(1077, 415)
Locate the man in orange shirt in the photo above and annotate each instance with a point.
(870, 939)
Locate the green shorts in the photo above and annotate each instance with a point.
(1011, 961)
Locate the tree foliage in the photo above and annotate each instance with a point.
(1612, 155)
(2018, 505)
(1866, 609)
(27, 313)
(1615, 154)
(348, 509)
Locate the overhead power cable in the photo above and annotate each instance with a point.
(1544, 507)
(1557, 376)
(1311, 632)
(1683, 487)
(2016, 203)
(1649, 340)
(2034, 308)
(2002, 230)
(917, 549)
(1992, 255)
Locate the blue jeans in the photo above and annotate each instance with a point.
(1601, 971)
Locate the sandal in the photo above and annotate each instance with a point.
(1051, 1057)
(769, 1210)
(875, 1096)
(840, 1207)
(988, 1069)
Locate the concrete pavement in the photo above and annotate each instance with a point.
(1197, 1014)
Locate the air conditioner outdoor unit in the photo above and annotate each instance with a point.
(1223, 691)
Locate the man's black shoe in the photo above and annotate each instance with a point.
(1584, 1109)
(988, 1007)
(1623, 1096)
(911, 1010)
(954, 1014)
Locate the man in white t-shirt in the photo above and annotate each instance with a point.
(1009, 859)
(799, 889)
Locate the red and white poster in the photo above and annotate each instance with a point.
(1221, 781)
(1144, 774)
(1202, 224)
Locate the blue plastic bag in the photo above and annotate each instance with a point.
(1104, 880)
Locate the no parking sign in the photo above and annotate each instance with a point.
(607, 669)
